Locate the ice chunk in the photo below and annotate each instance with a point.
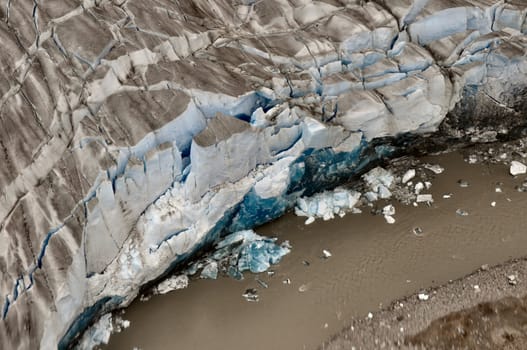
(463, 183)
(303, 288)
(424, 198)
(389, 219)
(517, 168)
(262, 283)
(309, 220)
(326, 204)
(258, 255)
(120, 324)
(410, 174)
(384, 192)
(210, 270)
(417, 231)
(388, 210)
(379, 181)
(173, 283)
(326, 254)
(377, 178)
(371, 196)
(435, 168)
(423, 296)
(461, 212)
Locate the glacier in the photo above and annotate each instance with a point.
(137, 135)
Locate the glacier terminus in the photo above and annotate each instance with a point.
(136, 135)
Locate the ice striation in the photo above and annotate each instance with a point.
(138, 134)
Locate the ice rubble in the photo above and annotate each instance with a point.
(165, 138)
(327, 204)
(239, 252)
(380, 181)
(172, 283)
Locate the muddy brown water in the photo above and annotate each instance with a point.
(373, 263)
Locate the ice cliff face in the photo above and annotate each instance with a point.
(135, 133)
